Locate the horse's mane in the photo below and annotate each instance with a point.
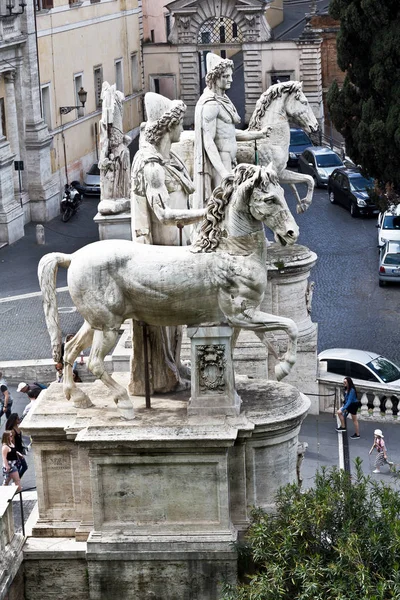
(210, 231)
(265, 100)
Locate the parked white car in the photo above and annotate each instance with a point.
(389, 225)
(360, 365)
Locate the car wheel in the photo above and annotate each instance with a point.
(382, 283)
(332, 197)
(353, 210)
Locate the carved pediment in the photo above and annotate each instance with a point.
(192, 6)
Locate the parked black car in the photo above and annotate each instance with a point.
(350, 188)
(299, 141)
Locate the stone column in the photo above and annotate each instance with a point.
(12, 118)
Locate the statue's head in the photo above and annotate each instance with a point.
(164, 117)
(218, 68)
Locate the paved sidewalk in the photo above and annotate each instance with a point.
(323, 447)
(23, 330)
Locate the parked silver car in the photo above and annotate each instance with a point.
(360, 365)
(389, 225)
(389, 262)
(319, 162)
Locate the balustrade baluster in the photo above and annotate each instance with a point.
(389, 408)
(364, 404)
(377, 406)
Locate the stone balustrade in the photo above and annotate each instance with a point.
(10, 542)
(378, 402)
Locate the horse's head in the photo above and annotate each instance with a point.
(266, 201)
(298, 108)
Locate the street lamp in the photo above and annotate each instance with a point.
(82, 95)
(64, 110)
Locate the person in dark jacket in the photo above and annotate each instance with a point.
(13, 425)
(350, 406)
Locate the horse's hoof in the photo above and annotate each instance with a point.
(81, 400)
(125, 410)
(281, 370)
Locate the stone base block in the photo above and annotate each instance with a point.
(114, 226)
(167, 569)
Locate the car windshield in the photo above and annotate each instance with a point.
(94, 170)
(392, 259)
(328, 160)
(359, 184)
(299, 138)
(386, 370)
(391, 222)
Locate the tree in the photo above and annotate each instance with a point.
(338, 541)
(367, 109)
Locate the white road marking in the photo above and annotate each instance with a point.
(30, 295)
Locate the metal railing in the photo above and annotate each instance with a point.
(378, 402)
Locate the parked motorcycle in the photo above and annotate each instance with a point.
(70, 202)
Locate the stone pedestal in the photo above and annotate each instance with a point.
(113, 227)
(212, 377)
(159, 499)
(289, 294)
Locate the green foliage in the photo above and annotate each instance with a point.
(367, 110)
(338, 541)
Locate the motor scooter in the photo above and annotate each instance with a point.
(70, 202)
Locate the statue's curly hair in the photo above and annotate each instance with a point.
(155, 131)
(218, 70)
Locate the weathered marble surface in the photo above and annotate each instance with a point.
(159, 499)
(220, 278)
(114, 159)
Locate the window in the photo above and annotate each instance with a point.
(205, 37)
(98, 84)
(223, 53)
(336, 366)
(277, 77)
(78, 83)
(44, 4)
(156, 85)
(167, 25)
(46, 105)
(220, 30)
(135, 72)
(360, 372)
(119, 77)
(152, 35)
(3, 118)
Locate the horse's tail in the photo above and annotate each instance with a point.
(47, 274)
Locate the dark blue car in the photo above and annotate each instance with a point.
(299, 141)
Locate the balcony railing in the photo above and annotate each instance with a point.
(378, 403)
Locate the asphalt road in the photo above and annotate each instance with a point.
(350, 308)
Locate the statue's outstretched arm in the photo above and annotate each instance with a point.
(158, 198)
(209, 127)
(249, 136)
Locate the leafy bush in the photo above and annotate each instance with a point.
(338, 541)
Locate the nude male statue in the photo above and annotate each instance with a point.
(215, 144)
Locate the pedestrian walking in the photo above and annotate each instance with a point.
(5, 398)
(10, 457)
(32, 396)
(24, 388)
(350, 406)
(380, 447)
(13, 425)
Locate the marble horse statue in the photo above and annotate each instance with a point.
(280, 104)
(114, 159)
(220, 278)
